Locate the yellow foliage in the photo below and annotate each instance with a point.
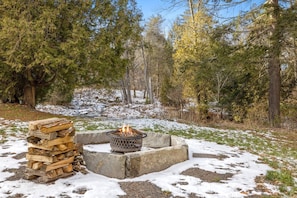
(192, 44)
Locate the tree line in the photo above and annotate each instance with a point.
(246, 66)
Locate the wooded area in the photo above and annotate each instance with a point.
(244, 68)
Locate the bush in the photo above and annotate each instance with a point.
(257, 114)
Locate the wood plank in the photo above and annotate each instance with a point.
(31, 172)
(57, 126)
(68, 168)
(59, 171)
(30, 163)
(47, 136)
(48, 148)
(40, 158)
(71, 145)
(36, 151)
(37, 165)
(67, 132)
(60, 157)
(30, 177)
(57, 141)
(60, 164)
(33, 125)
(70, 154)
(46, 179)
(62, 147)
(51, 174)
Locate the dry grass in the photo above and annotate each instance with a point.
(22, 113)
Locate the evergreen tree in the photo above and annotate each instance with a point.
(39, 43)
(62, 43)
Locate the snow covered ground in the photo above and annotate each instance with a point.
(104, 103)
(244, 166)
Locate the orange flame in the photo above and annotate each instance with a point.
(126, 130)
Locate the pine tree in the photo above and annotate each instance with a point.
(48, 44)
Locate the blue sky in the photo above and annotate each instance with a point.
(151, 8)
(154, 7)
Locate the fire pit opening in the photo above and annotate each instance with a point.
(126, 139)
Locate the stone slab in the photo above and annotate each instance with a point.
(91, 137)
(156, 140)
(107, 164)
(140, 163)
(175, 140)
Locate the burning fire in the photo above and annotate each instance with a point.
(126, 130)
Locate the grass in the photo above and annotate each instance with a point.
(22, 113)
(284, 179)
(277, 148)
(2, 136)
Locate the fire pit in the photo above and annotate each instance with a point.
(162, 151)
(126, 139)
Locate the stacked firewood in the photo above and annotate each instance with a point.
(51, 149)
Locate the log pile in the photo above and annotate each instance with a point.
(51, 149)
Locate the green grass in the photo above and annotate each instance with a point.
(2, 136)
(2, 132)
(284, 179)
(91, 127)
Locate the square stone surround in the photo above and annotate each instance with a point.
(165, 151)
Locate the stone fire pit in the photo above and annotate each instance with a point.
(159, 151)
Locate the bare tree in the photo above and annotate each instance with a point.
(148, 86)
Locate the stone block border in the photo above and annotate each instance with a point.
(167, 151)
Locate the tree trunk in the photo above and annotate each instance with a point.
(274, 92)
(150, 90)
(125, 98)
(29, 96)
(190, 2)
(128, 86)
(125, 82)
(274, 67)
(146, 77)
